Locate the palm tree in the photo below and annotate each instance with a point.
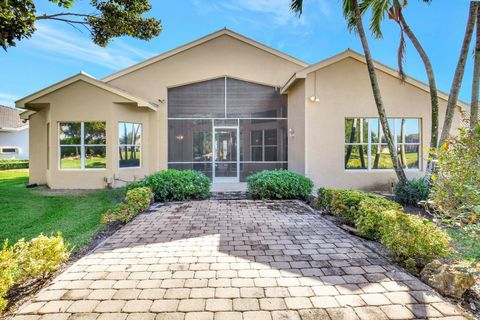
(394, 9)
(459, 71)
(352, 13)
(476, 76)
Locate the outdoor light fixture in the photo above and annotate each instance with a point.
(291, 132)
(314, 98)
(179, 137)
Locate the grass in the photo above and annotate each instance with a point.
(25, 213)
(384, 162)
(75, 163)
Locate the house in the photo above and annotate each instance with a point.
(228, 106)
(13, 134)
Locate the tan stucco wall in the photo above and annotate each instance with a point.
(222, 56)
(38, 147)
(81, 101)
(344, 91)
(296, 122)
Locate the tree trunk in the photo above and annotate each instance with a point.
(476, 76)
(377, 95)
(352, 140)
(360, 147)
(403, 157)
(379, 147)
(433, 89)
(459, 71)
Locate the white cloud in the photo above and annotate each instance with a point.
(76, 45)
(7, 99)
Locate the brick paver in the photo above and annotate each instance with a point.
(234, 260)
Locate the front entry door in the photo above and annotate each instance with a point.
(225, 150)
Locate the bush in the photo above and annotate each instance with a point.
(412, 192)
(139, 198)
(39, 257)
(411, 237)
(414, 240)
(176, 185)
(9, 164)
(455, 186)
(279, 184)
(7, 267)
(371, 215)
(324, 199)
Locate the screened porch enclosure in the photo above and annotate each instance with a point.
(227, 128)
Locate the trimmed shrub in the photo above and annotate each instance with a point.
(176, 185)
(371, 214)
(9, 164)
(39, 257)
(412, 192)
(122, 212)
(323, 199)
(279, 184)
(345, 203)
(414, 240)
(139, 198)
(7, 268)
(411, 237)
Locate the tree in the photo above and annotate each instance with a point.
(394, 9)
(459, 72)
(111, 19)
(476, 77)
(352, 13)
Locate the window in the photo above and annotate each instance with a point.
(366, 146)
(264, 145)
(82, 145)
(130, 144)
(9, 150)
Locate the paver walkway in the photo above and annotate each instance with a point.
(233, 260)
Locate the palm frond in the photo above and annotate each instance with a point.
(349, 14)
(401, 56)
(296, 6)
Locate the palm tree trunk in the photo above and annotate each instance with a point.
(379, 148)
(377, 95)
(352, 140)
(476, 77)
(403, 156)
(433, 88)
(459, 71)
(360, 147)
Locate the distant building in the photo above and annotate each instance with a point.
(13, 134)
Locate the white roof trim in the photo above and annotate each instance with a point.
(14, 129)
(349, 53)
(82, 76)
(200, 41)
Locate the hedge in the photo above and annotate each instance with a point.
(410, 237)
(279, 184)
(176, 185)
(9, 164)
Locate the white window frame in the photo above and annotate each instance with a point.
(82, 146)
(131, 145)
(2, 150)
(369, 144)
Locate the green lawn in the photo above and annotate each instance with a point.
(25, 213)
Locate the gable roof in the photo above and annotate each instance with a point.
(10, 119)
(200, 41)
(82, 76)
(349, 53)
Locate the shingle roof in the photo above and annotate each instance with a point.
(10, 118)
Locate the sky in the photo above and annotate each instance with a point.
(57, 51)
